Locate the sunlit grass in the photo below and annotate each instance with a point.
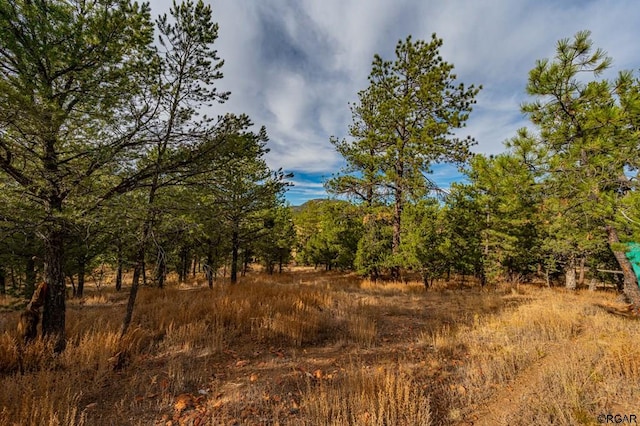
(311, 347)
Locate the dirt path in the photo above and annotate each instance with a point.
(503, 408)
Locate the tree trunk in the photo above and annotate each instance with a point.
(53, 318)
(81, 276)
(397, 227)
(581, 273)
(161, 272)
(570, 274)
(235, 243)
(183, 269)
(425, 280)
(30, 276)
(209, 267)
(137, 272)
(73, 285)
(245, 262)
(143, 270)
(135, 284)
(630, 285)
(119, 270)
(3, 281)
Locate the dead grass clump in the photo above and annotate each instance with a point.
(295, 317)
(391, 287)
(8, 353)
(203, 336)
(599, 375)
(50, 400)
(381, 396)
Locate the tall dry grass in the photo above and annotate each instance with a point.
(559, 359)
(179, 328)
(312, 348)
(368, 396)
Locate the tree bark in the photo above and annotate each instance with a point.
(137, 273)
(81, 276)
(235, 247)
(397, 229)
(581, 274)
(209, 267)
(630, 283)
(161, 272)
(119, 270)
(135, 284)
(30, 276)
(570, 274)
(53, 319)
(3, 281)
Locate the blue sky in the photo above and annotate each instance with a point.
(294, 65)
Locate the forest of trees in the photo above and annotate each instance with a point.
(105, 157)
(106, 160)
(560, 204)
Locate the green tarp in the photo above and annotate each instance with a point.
(633, 254)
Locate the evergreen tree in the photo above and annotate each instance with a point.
(69, 103)
(589, 133)
(403, 124)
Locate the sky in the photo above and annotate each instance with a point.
(294, 66)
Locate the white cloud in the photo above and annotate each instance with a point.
(294, 65)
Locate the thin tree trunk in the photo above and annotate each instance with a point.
(245, 263)
(135, 284)
(630, 285)
(73, 285)
(144, 272)
(53, 318)
(12, 275)
(570, 274)
(81, 276)
(397, 227)
(234, 255)
(137, 272)
(581, 273)
(161, 272)
(119, 270)
(209, 266)
(3, 281)
(30, 276)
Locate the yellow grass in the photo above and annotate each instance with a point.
(311, 348)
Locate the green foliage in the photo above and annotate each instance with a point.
(274, 247)
(374, 252)
(328, 233)
(425, 240)
(464, 222)
(587, 129)
(403, 123)
(508, 196)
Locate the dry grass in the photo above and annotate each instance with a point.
(367, 396)
(559, 359)
(310, 348)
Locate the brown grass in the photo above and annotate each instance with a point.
(311, 348)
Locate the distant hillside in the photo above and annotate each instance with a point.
(297, 209)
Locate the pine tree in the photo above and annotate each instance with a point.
(403, 124)
(589, 133)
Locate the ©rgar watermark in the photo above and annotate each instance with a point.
(618, 419)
